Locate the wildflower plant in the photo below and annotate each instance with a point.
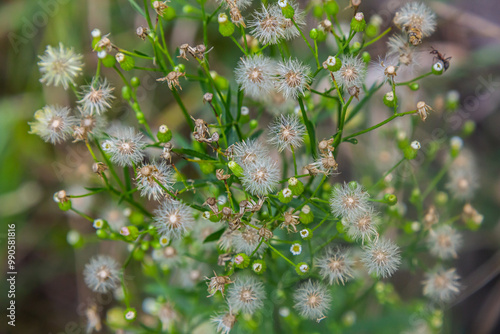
(242, 224)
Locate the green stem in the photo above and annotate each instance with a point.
(280, 254)
(436, 179)
(415, 79)
(82, 214)
(294, 160)
(378, 37)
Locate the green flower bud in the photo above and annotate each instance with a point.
(164, 134)
(468, 128)
(306, 216)
(108, 60)
(438, 68)
(259, 267)
(127, 63)
(188, 9)
(356, 46)
(254, 124)
(306, 234)
(414, 86)
(358, 22)
(145, 245)
(313, 34)
(129, 232)
(340, 227)
(65, 206)
(207, 168)
(331, 7)
(371, 30)
(317, 11)
(96, 37)
(235, 168)
(139, 254)
(296, 186)
(302, 268)
(415, 196)
(126, 93)
(366, 57)
(169, 13)
(287, 10)
(452, 100)
(241, 260)
(332, 64)
(130, 314)
(136, 218)
(390, 199)
(411, 150)
(321, 36)
(226, 27)
(389, 99)
(221, 82)
(74, 239)
(441, 198)
(285, 195)
(102, 234)
(135, 82)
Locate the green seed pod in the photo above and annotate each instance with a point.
(358, 22)
(127, 63)
(285, 195)
(245, 115)
(145, 245)
(287, 10)
(452, 100)
(129, 232)
(259, 267)
(332, 63)
(180, 68)
(254, 124)
(169, 13)
(411, 150)
(138, 254)
(321, 36)
(371, 30)
(415, 196)
(241, 260)
(74, 238)
(468, 128)
(136, 218)
(366, 57)
(438, 68)
(414, 86)
(390, 199)
(126, 93)
(317, 11)
(296, 186)
(306, 216)
(135, 82)
(235, 168)
(188, 9)
(441, 198)
(331, 7)
(226, 27)
(101, 234)
(314, 34)
(207, 168)
(65, 205)
(302, 268)
(340, 227)
(164, 134)
(221, 82)
(96, 37)
(306, 234)
(108, 60)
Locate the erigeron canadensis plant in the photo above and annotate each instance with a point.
(246, 240)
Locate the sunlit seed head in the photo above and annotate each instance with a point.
(97, 97)
(255, 75)
(441, 285)
(286, 132)
(349, 200)
(53, 124)
(127, 147)
(267, 25)
(293, 78)
(444, 242)
(153, 178)
(173, 219)
(60, 66)
(246, 295)
(335, 265)
(101, 274)
(381, 258)
(312, 300)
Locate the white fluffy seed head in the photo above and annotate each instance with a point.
(97, 96)
(312, 300)
(153, 177)
(60, 66)
(351, 73)
(173, 219)
(262, 177)
(267, 25)
(246, 295)
(335, 265)
(127, 147)
(363, 226)
(381, 258)
(293, 77)
(444, 241)
(349, 200)
(416, 15)
(441, 285)
(255, 75)
(286, 132)
(224, 322)
(101, 274)
(246, 241)
(53, 124)
(248, 152)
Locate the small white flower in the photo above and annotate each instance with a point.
(296, 249)
(304, 233)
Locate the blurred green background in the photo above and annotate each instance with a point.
(50, 290)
